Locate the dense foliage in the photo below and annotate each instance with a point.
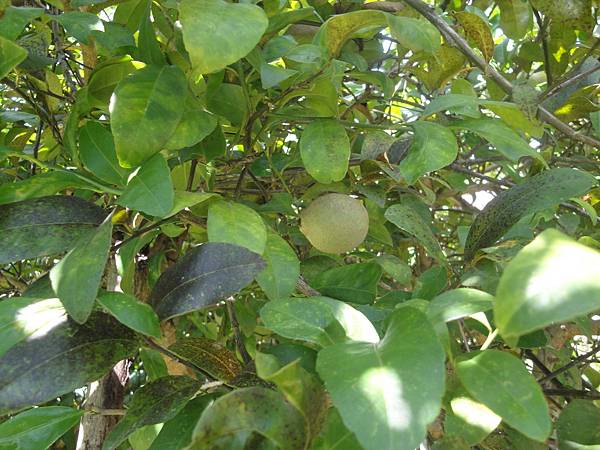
(299, 224)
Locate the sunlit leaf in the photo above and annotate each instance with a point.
(325, 150)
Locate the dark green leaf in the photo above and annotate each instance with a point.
(129, 311)
(76, 278)
(37, 428)
(409, 221)
(150, 190)
(80, 24)
(145, 109)
(532, 195)
(354, 283)
(65, 358)
(231, 420)
(22, 318)
(335, 435)
(155, 402)
(397, 383)
(579, 425)
(45, 226)
(97, 151)
(204, 275)
(500, 381)
(553, 279)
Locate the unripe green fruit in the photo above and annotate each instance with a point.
(335, 223)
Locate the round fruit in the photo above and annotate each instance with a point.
(335, 223)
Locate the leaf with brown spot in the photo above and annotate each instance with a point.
(478, 31)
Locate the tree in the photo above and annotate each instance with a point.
(299, 225)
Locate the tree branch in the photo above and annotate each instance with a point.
(459, 42)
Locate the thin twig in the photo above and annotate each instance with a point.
(595, 349)
(237, 334)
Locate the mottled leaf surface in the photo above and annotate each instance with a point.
(325, 150)
(155, 402)
(204, 275)
(65, 358)
(208, 355)
(534, 194)
(45, 226)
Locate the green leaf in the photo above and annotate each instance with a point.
(194, 126)
(325, 150)
(515, 17)
(505, 139)
(14, 20)
(469, 419)
(48, 183)
(458, 303)
(79, 24)
(22, 318)
(217, 33)
(237, 224)
(553, 279)
(477, 31)
(37, 428)
(176, 434)
(395, 268)
(233, 418)
(45, 226)
(150, 190)
(155, 402)
(397, 383)
(76, 278)
(407, 219)
(203, 276)
(10, 56)
(354, 283)
(145, 109)
(302, 319)
(279, 278)
(271, 75)
(130, 312)
(532, 195)
(97, 151)
(460, 101)
(500, 381)
(414, 34)
(433, 147)
(335, 435)
(579, 424)
(104, 80)
(210, 356)
(65, 358)
(339, 28)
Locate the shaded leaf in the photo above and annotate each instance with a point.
(515, 17)
(155, 402)
(458, 303)
(579, 425)
(76, 278)
(79, 24)
(37, 428)
(325, 150)
(409, 221)
(217, 33)
(434, 147)
(65, 358)
(553, 279)
(414, 34)
(22, 318)
(145, 110)
(354, 283)
(232, 419)
(177, 432)
(279, 278)
(210, 356)
(97, 151)
(516, 396)
(194, 126)
(11, 55)
(45, 226)
(397, 383)
(204, 275)
(335, 435)
(237, 224)
(477, 31)
(131, 312)
(150, 190)
(532, 195)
